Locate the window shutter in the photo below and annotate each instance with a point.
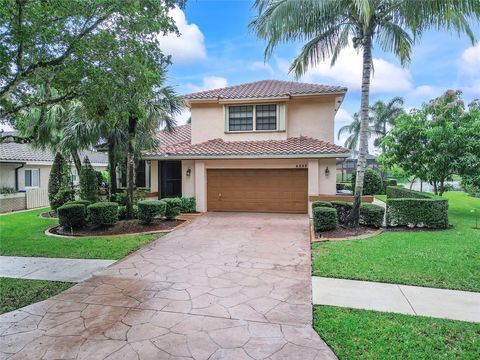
(281, 118)
(225, 113)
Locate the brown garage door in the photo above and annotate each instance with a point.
(279, 190)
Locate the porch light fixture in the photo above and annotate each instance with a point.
(327, 172)
(189, 172)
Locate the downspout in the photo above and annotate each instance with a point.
(16, 175)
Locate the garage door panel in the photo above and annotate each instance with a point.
(272, 190)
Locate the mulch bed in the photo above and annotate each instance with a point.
(120, 228)
(344, 232)
(52, 214)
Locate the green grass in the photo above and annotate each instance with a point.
(446, 259)
(22, 234)
(17, 293)
(364, 334)
(381, 197)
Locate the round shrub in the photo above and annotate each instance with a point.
(80, 202)
(62, 197)
(189, 204)
(371, 215)
(103, 213)
(372, 183)
(343, 209)
(173, 208)
(72, 215)
(148, 209)
(122, 212)
(316, 204)
(324, 218)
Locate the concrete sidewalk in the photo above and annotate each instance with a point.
(55, 269)
(404, 299)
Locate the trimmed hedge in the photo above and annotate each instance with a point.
(148, 209)
(343, 209)
(189, 204)
(103, 213)
(316, 204)
(63, 196)
(324, 218)
(372, 182)
(122, 212)
(416, 209)
(79, 202)
(371, 215)
(173, 207)
(72, 215)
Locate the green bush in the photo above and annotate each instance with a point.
(120, 198)
(81, 202)
(316, 204)
(173, 208)
(372, 184)
(122, 212)
(344, 186)
(88, 182)
(7, 190)
(62, 197)
(148, 209)
(324, 218)
(416, 209)
(72, 215)
(343, 208)
(189, 205)
(103, 213)
(431, 213)
(371, 215)
(57, 181)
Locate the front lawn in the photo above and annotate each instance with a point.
(22, 234)
(365, 334)
(381, 198)
(445, 259)
(17, 293)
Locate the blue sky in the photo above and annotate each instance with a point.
(217, 49)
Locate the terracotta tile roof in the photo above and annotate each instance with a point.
(265, 89)
(218, 148)
(11, 151)
(178, 134)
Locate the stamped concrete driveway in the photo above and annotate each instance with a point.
(227, 286)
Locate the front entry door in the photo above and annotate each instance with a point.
(170, 176)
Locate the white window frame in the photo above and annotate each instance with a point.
(32, 178)
(280, 113)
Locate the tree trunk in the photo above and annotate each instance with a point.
(132, 125)
(442, 187)
(354, 215)
(76, 161)
(413, 180)
(112, 170)
(435, 189)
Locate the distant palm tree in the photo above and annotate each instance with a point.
(328, 26)
(353, 131)
(383, 116)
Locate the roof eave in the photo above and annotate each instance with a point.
(247, 156)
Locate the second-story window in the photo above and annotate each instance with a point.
(266, 117)
(240, 118)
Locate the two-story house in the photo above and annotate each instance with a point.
(265, 146)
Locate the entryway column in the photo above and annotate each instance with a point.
(313, 183)
(201, 186)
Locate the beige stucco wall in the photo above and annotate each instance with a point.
(188, 182)
(313, 116)
(154, 187)
(7, 175)
(318, 182)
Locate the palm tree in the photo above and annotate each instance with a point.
(353, 131)
(383, 116)
(328, 26)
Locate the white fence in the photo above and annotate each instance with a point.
(31, 199)
(37, 198)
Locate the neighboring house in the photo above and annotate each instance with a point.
(345, 167)
(22, 167)
(265, 146)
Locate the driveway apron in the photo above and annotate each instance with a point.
(226, 286)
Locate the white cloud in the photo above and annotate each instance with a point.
(260, 65)
(343, 115)
(187, 47)
(469, 68)
(208, 83)
(182, 118)
(347, 71)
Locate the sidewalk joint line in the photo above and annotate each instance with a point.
(409, 303)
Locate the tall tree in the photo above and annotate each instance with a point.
(383, 116)
(353, 131)
(328, 26)
(58, 43)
